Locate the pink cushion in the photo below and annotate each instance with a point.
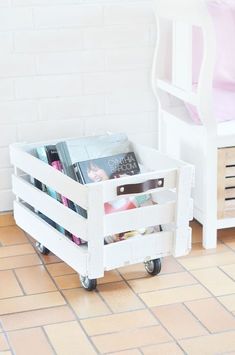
(223, 15)
(223, 105)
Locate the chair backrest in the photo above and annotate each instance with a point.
(193, 12)
(175, 20)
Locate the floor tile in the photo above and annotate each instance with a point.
(196, 231)
(10, 287)
(36, 318)
(50, 259)
(69, 338)
(12, 235)
(174, 295)
(28, 341)
(169, 265)
(13, 250)
(161, 282)
(35, 279)
(86, 304)
(212, 315)
(231, 245)
(179, 311)
(210, 344)
(226, 234)
(208, 261)
(215, 280)
(27, 303)
(228, 301)
(60, 269)
(3, 343)
(109, 276)
(127, 352)
(229, 270)
(131, 339)
(67, 281)
(133, 271)
(120, 297)
(179, 322)
(14, 262)
(6, 219)
(198, 250)
(162, 349)
(119, 322)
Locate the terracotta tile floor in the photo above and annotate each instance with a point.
(189, 308)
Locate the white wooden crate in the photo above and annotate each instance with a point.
(174, 209)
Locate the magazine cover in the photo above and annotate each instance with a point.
(91, 147)
(111, 167)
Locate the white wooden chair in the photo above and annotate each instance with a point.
(179, 136)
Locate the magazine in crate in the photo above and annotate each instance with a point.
(49, 155)
(113, 167)
(62, 155)
(112, 150)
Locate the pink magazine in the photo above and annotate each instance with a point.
(57, 165)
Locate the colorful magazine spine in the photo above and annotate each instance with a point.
(58, 166)
(43, 155)
(64, 158)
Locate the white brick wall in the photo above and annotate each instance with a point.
(74, 67)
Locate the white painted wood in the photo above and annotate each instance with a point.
(182, 58)
(139, 218)
(48, 175)
(225, 223)
(155, 160)
(50, 207)
(138, 249)
(193, 12)
(93, 259)
(184, 184)
(196, 144)
(72, 254)
(183, 236)
(182, 231)
(110, 186)
(96, 231)
(176, 90)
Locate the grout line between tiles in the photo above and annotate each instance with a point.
(71, 308)
(48, 339)
(19, 282)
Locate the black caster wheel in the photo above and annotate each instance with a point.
(153, 267)
(43, 250)
(88, 284)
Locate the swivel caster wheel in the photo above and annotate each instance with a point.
(43, 250)
(153, 267)
(88, 284)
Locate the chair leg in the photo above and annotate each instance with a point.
(209, 233)
(210, 197)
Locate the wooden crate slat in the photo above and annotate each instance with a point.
(139, 248)
(229, 182)
(230, 171)
(50, 207)
(69, 252)
(140, 217)
(230, 193)
(49, 176)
